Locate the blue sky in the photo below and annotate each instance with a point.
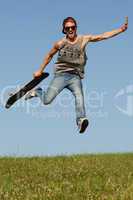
(27, 32)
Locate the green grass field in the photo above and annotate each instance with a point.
(77, 177)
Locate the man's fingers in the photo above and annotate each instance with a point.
(126, 20)
(37, 74)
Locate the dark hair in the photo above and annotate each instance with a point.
(66, 20)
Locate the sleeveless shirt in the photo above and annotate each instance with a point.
(71, 57)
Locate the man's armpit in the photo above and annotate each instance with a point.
(86, 39)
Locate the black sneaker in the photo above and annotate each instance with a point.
(83, 123)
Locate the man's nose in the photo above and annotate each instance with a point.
(70, 29)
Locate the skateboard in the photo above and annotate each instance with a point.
(29, 86)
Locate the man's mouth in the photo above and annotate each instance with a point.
(71, 32)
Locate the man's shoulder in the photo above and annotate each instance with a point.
(85, 37)
(60, 42)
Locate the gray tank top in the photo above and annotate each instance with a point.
(71, 57)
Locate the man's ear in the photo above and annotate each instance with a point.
(63, 31)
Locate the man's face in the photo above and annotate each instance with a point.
(70, 29)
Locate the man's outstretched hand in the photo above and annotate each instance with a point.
(125, 26)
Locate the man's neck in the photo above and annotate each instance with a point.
(72, 39)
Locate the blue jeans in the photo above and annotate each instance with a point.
(65, 80)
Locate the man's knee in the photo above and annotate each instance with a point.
(49, 96)
(47, 101)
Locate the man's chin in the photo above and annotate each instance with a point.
(71, 36)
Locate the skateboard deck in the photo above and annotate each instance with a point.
(29, 86)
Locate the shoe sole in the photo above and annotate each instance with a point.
(84, 126)
(29, 96)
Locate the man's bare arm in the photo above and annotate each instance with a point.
(107, 35)
(47, 59)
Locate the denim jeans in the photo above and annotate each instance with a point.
(65, 80)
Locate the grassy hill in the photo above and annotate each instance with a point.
(77, 177)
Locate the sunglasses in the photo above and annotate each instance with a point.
(67, 28)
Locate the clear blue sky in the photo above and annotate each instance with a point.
(28, 30)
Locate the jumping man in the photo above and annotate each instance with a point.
(69, 67)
